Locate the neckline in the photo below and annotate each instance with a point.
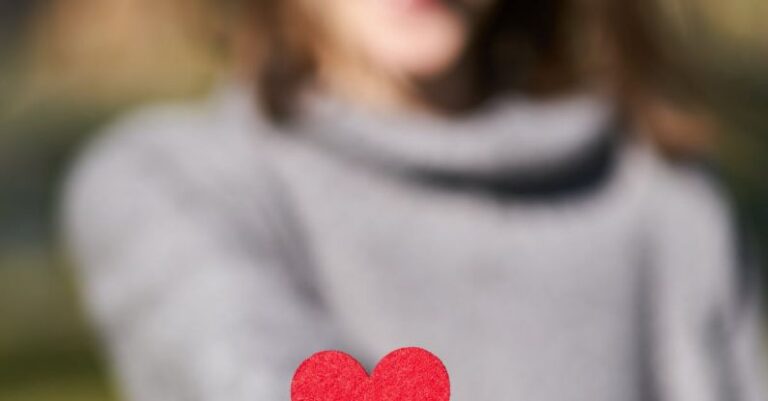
(514, 136)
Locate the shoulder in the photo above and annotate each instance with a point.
(672, 191)
(692, 229)
(209, 155)
(206, 133)
(216, 139)
(691, 192)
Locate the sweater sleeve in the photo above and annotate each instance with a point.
(707, 318)
(185, 268)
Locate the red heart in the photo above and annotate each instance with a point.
(407, 374)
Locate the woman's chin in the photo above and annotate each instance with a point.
(425, 53)
(429, 63)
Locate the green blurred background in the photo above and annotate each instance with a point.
(68, 66)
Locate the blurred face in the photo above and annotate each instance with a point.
(406, 38)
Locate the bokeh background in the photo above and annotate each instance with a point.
(69, 66)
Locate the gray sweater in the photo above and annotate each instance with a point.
(541, 252)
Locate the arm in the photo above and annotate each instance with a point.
(193, 302)
(707, 315)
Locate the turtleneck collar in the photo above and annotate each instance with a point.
(512, 137)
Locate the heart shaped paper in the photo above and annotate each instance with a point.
(407, 374)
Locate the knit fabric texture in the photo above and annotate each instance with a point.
(540, 250)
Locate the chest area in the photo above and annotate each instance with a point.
(403, 248)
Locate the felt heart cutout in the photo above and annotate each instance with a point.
(407, 374)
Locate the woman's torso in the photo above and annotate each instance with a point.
(522, 266)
